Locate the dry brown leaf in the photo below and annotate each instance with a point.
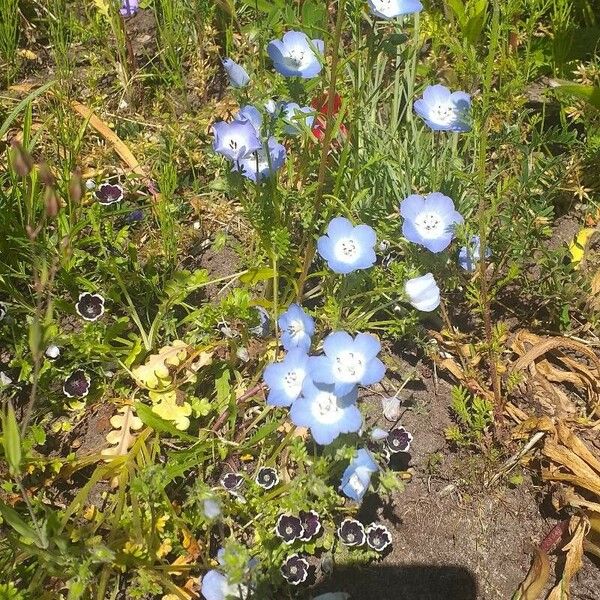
(537, 578)
(578, 527)
(572, 441)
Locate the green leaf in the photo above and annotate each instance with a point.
(266, 6)
(589, 93)
(23, 104)
(151, 419)
(11, 440)
(254, 276)
(11, 516)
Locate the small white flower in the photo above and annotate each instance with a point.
(423, 292)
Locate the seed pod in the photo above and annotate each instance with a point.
(51, 203)
(46, 175)
(75, 187)
(21, 159)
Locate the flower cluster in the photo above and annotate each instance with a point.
(241, 142)
(353, 533)
(322, 391)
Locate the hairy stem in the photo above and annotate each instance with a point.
(329, 126)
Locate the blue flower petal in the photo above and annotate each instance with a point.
(435, 94)
(320, 370)
(339, 227)
(368, 345)
(336, 342)
(374, 373)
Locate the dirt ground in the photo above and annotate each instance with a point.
(454, 539)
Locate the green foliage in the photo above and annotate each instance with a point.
(473, 416)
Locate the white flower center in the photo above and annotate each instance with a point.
(430, 225)
(349, 366)
(326, 409)
(292, 382)
(295, 327)
(346, 250)
(350, 537)
(444, 113)
(293, 569)
(356, 484)
(295, 57)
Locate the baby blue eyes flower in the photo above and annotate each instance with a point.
(252, 114)
(326, 413)
(285, 378)
(348, 361)
(237, 74)
(215, 586)
(129, 8)
(443, 110)
(423, 292)
(357, 476)
(295, 115)
(347, 248)
(429, 220)
(389, 9)
(263, 162)
(296, 328)
(236, 140)
(469, 255)
(296, 55)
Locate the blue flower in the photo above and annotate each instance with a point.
(263, 162)
(348, 361)
(296, 55)
(469, 255)
(285, 378)
(212, 508)
(423, 292)
(347, 248)
(236, 140)
(264, 323)
(429, 220)
(389, 9)
(326, 413)
(252, 114)
(443, 110)
(216, 586)
(296, 117)
(237, 74)
(357, 476)
(296, 328)
(129, 8)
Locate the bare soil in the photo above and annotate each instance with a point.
(454, 539)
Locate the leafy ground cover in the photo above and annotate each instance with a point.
(299, 299)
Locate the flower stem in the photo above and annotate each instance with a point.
(329, 126)
(485, 299)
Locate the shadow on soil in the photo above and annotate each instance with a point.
(410, 582)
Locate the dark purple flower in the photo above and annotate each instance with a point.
(398, 440)
(289, 528)
(90, 306)
(3, 310)
(295, 569)
(77, 384)
(267, 478)
(129, 8)
(232, 481)
(311, 524)
(378, 537)
(109, 193)
(351, 532)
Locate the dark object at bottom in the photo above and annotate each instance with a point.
(402, 582)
